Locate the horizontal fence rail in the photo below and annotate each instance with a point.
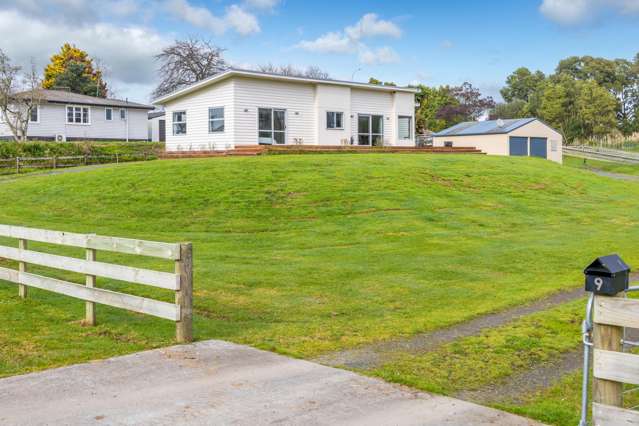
(23, 164)
(180, 281)
(611, 366)
(604, 154)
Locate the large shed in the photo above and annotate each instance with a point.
(516, 137)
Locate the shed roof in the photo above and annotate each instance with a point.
(66, 97)
(156, 114)
(236, 72)
(490, 127)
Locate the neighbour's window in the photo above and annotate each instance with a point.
(334, 120)
(216, 120)
(122, 114)
(448, 144)
(179, 123)
(34, 115)
(108, 114)
(78, 115)
(553, 146)
(404, 125)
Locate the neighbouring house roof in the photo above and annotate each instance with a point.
(236, 72)
(490, 127)
(156, 114)
(66, 97)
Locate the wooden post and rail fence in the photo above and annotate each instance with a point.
(611, 366)
(180, 281)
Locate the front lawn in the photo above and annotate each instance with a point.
(309, 254)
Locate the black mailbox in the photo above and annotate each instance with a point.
(607, 275)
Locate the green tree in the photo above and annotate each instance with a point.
(373, 80)
(431, 100)
(73, 68)
(596, 109)
(515, 109)
(522, 84)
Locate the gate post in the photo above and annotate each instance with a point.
(607, 337)
(184, 296)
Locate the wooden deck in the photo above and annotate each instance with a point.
(253, 150)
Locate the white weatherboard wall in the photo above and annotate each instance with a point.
(196, 105)
(305, 103)
(53, 121)
(500, 144)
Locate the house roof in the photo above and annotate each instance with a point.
(66, 97)
(490, 127)
(236, 72)
(156, 114)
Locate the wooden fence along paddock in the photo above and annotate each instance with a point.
(611, 366)
(181, 281)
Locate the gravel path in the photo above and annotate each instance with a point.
(376, 354)
(618, 176)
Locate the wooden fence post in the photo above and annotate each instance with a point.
(89, 318)
(22, 267)
(184, 296)
(607, 337)
(18, 165)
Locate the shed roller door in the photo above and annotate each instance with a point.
(538, 147)
(518, 146)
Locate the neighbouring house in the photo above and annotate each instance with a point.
(517, 137)
(157, 126)
(239, 107)
(63, 115)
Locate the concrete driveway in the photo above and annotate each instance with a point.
(220, 383)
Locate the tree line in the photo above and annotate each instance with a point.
(585, 98)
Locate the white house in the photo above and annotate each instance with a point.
(71, 116)
(239, 107)
(517, 137)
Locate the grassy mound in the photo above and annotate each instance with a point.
(309, 254)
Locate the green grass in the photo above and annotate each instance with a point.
(473, 362)
(607, 166)
(309, 254)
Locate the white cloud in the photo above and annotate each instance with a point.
(371, 26)
(242, 22)
(25, 38)
(351, 40)
(334, 42)
(576, 12)
(72, 11)
(382, 55)
(236, 18)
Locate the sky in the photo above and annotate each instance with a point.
(407, 42)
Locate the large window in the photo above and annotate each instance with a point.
(179, 122)
(216, 120)
(271, 126)
(370, 130)
(34, 116)
(78, 115)
(108, 114)
(334, 120)
(404, 126)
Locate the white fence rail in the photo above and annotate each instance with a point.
(604, 154)
(180, 281)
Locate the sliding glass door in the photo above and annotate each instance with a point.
(370, 130)
(271, 126)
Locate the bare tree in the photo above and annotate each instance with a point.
(186, 62)
(289, 70)
(19, 96)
